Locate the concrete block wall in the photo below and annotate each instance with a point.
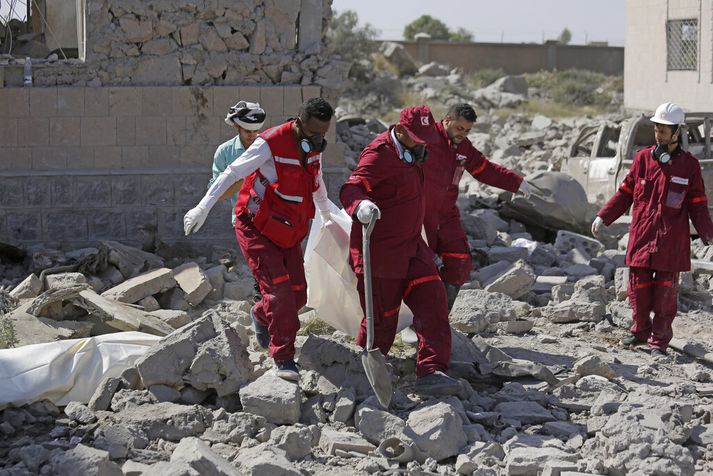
(125, 163)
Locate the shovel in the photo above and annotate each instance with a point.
(372, 359)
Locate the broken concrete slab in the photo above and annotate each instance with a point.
(567, 241)
(193, 281)
(475, 310)
(64, 280)
(544, 284)
(261, 460)
(147, 284)
(216, 276)
(149, 304)
(295, 441)
(593, 365)
(206, 354)
(200, 457)
(169, 421)
(172, 317)
(278, 400)
(130, 261)
(516, 281)
(377, 425)
(32, 330)
(30, 287)
(120, 316)
(101, 400)
(519, 326)
(525, 412)
(526, 461)
(437, 429)
(84, 460)
(332, 440)
(174, 299)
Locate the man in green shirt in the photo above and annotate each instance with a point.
(247, 118)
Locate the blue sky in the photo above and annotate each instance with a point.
(513, 21)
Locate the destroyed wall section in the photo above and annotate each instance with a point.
(647, 82)
(126, 161)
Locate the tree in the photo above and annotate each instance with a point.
(427, 24)
(565, 37)
(461, 35)
(349, 40)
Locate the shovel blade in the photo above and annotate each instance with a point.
(378, 374)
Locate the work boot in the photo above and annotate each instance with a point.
(287, 370)
(658, 353)
(631, 340)
(261, 333)
(451, 294)
(437, 383)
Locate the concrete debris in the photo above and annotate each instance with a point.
(546, 388)
(207, 355)
(396, 54)
(193, 282)
(135, 289)
(278, 400)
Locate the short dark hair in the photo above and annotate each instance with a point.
(317, 108)
(463, 110)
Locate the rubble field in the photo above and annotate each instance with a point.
(546, 388)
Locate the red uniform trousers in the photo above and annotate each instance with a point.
(422, 290)
(657, 291)
(448, 240)
(281, 277)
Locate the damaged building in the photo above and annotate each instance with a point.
(117, 142)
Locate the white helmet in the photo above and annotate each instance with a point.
(670, 114)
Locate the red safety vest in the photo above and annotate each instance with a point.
(284, 212)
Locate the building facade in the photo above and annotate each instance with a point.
(669, 54)
(118, 143)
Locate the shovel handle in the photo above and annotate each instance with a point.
(368, 296)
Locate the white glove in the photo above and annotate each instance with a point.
(596, 226)
(326, 216)
(365, 209)
(525, 189)
(194, 219)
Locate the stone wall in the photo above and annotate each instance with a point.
(196, 42)
(121, 145)
(125, 163)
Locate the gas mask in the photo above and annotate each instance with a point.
(312, 144)
(415, 155)
(660, 153)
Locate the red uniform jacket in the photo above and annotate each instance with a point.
(397, 189)
(444, 168)
(664, 196)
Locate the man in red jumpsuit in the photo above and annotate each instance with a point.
(664, 189)
(283, 182)
(389, 181)
(448, 157)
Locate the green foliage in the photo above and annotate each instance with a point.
(461, 35)
(349, 40)
(576, 87)
(427, 24)
(8, 338)
(483, 77)
(565, 37)
(436, 29)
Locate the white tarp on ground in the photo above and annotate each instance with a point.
(67, 370)
(331, 283)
